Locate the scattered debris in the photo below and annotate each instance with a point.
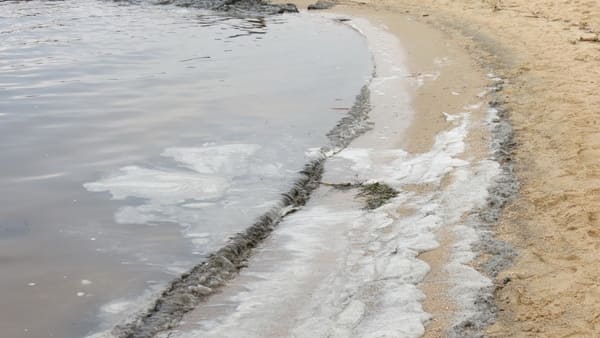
(376, 194)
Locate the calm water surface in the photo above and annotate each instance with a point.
(134, 139)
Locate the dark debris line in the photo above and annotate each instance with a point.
(190, 289)
(497, 253)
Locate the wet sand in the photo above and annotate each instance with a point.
(444, 79)
(548, 51)
(451, 81)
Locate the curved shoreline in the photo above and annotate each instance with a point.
(547, 52)
(551, 288)
(473, 308)
(195, 286)
(470, 317)
(491, 254)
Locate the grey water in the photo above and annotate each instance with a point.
(136, 138)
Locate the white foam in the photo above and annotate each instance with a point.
(224, 160)
(340, 271)
(305, 238)
(397, 167)
(365, 282)
(212, 178)
(334, 270)
(160, 186)
(442, 208)
(472, 182)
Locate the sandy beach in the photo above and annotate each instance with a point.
(413, 168)
(335, 269)
(548, 52)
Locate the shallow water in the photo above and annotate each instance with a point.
(135, 139)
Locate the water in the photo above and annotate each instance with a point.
(134, 139)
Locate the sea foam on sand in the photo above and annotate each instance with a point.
(334, 269)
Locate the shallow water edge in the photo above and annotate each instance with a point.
(195, 286)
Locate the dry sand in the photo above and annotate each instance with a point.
(548, 50)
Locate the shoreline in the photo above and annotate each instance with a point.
(183, 294)
(491, 255)
(468, 318)
(456, 203)
(547, 54)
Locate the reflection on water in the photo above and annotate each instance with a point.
(134, 139)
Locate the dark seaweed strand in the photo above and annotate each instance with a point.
(499, 253)
(197, 285)
(354, 124)
(376, 194)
